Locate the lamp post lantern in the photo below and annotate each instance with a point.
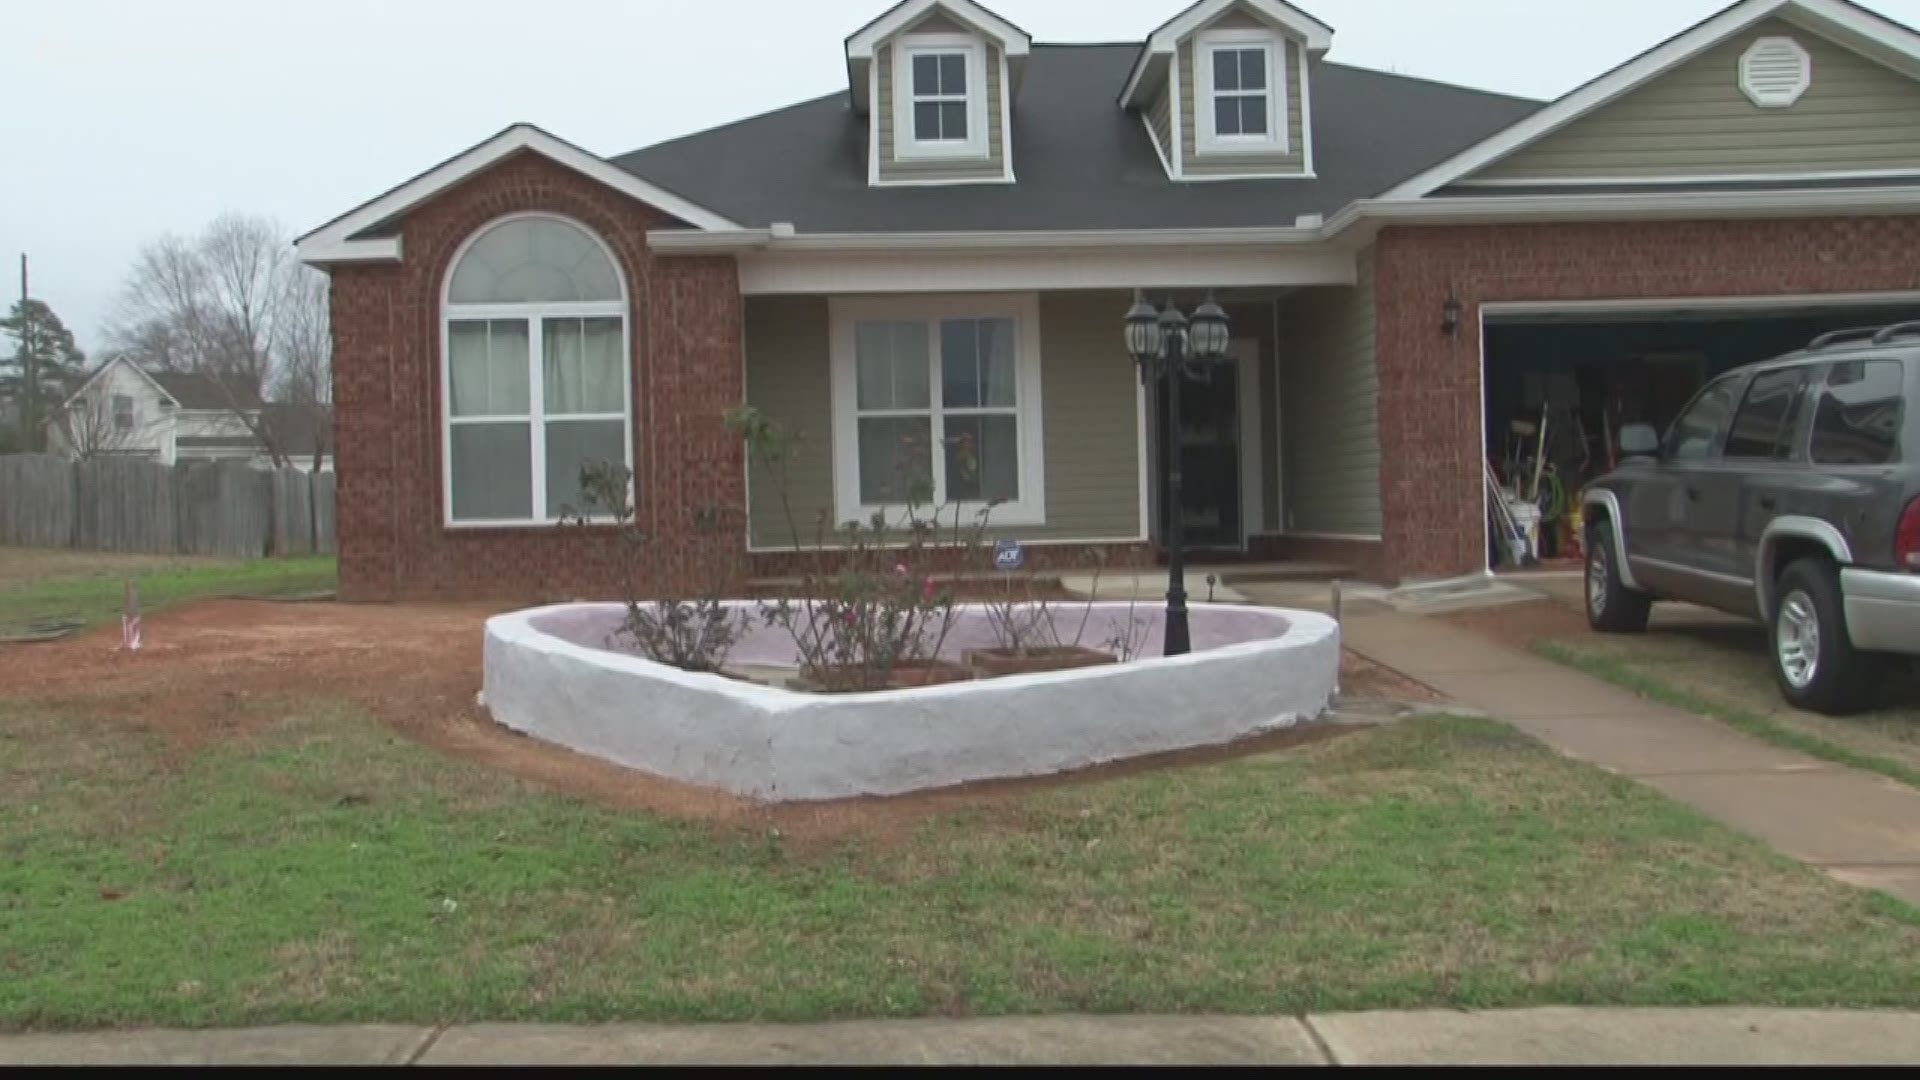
(1169, 347)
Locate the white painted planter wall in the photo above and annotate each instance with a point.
(779, 745)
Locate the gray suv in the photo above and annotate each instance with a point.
(1787, 491)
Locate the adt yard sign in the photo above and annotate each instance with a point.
(1008, 555)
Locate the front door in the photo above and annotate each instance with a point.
(1218, 437)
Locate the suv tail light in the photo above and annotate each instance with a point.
(1906, 542)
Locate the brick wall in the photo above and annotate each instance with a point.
(686, 323)
(1430, 393)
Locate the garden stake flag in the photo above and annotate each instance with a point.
(130, 621)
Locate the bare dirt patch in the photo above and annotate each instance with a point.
(1363, 680)
(224, 669)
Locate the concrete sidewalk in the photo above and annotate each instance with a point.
(1858, 826)
(1534, 1036)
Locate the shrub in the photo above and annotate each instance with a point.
(694, 634)
(868, 599)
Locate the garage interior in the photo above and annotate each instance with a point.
(1583, 374)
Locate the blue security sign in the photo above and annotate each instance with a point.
(1009, 555)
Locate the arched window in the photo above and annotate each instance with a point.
(535, 371)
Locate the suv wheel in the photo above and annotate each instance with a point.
(1611, 606)
(1814, 660)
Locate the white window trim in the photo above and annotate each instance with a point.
(1276, 140)
(535, 315)
(1024, 310)
(905, 146)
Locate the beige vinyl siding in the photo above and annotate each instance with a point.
(788, 379)
(1089, 413)
(1330, 404)
(1695, 121)
(1292, 163)
(1160, 118)
(993, 166)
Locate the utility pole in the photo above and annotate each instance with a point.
(29, 368)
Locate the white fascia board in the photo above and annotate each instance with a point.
(335, 242)
(686, 241)
(1317, 36)
(1605, 207)
(1337, 236)
(1836, 16)
(1015, 41)
(778, 272)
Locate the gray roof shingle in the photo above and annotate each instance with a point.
(1080, 161)
(203, 390)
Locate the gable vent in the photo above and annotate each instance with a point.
(1774, 72)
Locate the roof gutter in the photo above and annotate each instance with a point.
(1356, 222)
(1636, 206)
(784, 238)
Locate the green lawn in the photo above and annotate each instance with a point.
(329, 870)
(38, 585)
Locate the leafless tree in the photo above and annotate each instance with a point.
(87, 428)
(235, 304)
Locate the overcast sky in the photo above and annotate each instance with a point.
(131, 118)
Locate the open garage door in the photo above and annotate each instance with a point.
(1579, 371)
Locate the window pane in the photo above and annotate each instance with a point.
(1696, 434)
(953, 121)
(488, 366)
(977, 364)
(953, 74)
(895, 462)
(926, 75)
(1253, 116)
(1766, 416)
(983, 458)
(492, 471)
(1253, 69)
(1858, 421)
(571, 444)
(581, 366)
(1226, 116)
(1226, 69)
(533, 260)
(890, 361)
(960, 364)
(926, 121)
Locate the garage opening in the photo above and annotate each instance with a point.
(1561, 382)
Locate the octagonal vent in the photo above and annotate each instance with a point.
(1774, 72)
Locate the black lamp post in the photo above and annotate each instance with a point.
(1170, 348)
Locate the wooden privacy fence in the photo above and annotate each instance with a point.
(223, 508)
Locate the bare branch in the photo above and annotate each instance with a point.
(236, 305)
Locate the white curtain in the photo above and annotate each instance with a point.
(581, 367)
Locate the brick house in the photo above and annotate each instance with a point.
(943, 253)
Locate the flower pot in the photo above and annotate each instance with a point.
(845, 679)
(991, 663)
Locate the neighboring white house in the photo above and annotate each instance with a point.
(123, 410)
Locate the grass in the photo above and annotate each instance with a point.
(91, 590)
(1625, 673)
(325, 869)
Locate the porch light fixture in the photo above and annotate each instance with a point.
(1171, 348)
(1450, 313)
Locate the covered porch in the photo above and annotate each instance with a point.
(1030, 401)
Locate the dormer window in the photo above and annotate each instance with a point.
(1243, 78)
(942, 104)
